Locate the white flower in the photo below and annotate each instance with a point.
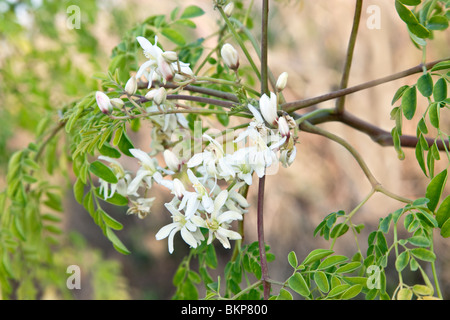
(152, 53)
(241, 165)
(213, 159)
(123, 178)
(268, 107)
(189, 231)
(145, 173)
(198, 200)
(141, 207)
(103, 102)
(161, 66)
(219, 222)
(230, 56)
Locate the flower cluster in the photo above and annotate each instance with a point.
(205, 185)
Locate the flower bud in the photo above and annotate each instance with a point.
(117, 103)
(157, 95)
(103, 102)
(170, 56)
(268, 107)
(229, 9)
(171, 160)
(282, 81)
(283, 127)
(178, 188)
(131, 86)
(230, 56)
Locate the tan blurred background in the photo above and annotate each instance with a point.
(308, 39)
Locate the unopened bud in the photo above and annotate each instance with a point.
(170, 56)
(282, 81)
(283, 127)
(229, 9)
(268, 107)
(103, 102)
(172, 161)
(117, 103)
(157, 95)
(230, 56)
(178, 188)
(131, 86)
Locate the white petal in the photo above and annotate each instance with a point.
(255, 113)
(166, 230)
(229, 216)
(188, 238)
(196, 160)
(220, 200)
(232, 235)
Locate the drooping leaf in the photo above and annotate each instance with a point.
(435, 189)
(425, 85)
(409, 102)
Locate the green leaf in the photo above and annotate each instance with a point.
(110, 221)
(419, 241)
(440, 90)
(398, 94)
(116, 199)
(284, 295)
(331, 261)
(402, 260)
(339, 230)
(348, 267)
(118, 245)
(405, 14)
(321, 280)
(435, 189)
(339, 289)
(173, 36)
(420, 158)
(179, 276)
(404, 294)
(315, 255)
(352, 292)
(425, 85)
(192, 12)
(437, 22)
(103, 172)
(298, 284)
(292, 258)
(443, 213)
(109, 151)
(445, 229)
(421, 290)
(124, 144)
(409, 102)
(78, 190)
(411, 2)
(443, 65)
(423, 254)
(418, 30)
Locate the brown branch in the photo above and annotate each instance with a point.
(300, 104)
(377, 134)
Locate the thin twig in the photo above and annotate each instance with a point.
(300, 104)
(349, 57)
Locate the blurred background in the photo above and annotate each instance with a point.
(45, 65)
